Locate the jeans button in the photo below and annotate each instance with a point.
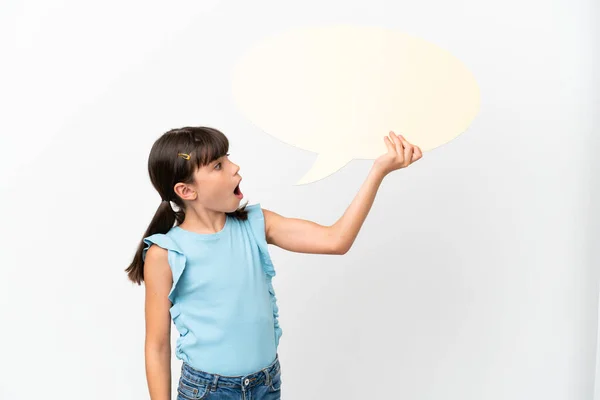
(247, 381)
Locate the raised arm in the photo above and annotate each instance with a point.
(158, 279)
(305, 236)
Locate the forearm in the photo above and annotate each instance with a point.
(158, 371)
(348, 226)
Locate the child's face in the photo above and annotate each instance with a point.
(216, 183)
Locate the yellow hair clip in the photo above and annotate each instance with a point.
(183, 155)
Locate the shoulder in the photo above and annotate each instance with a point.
(270, 220)
(253, 209)
(262, 219)
(163, 240)
(164, 255)
(155, 252)
(270, 217)
(255, 213)
(156, 249)
(156, 264)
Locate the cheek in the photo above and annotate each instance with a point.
(215, 193)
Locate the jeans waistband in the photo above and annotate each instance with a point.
(242, 381)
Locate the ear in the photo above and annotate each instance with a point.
(185, 192)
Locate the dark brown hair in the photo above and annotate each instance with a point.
(166, 168)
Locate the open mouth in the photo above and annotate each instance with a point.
(238, 193)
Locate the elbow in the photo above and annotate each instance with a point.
(158, 345)
(341, 249)
(340, 243)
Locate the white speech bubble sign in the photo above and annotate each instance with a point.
(338, 90)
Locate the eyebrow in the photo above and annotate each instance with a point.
(217, 160)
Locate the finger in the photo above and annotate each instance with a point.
(397, 144)
(389, 145)
(417, 153)
(408, 149)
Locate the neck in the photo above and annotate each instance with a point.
(204, 220)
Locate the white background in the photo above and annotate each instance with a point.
(474, 276)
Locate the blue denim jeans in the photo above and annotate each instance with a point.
(261, 385)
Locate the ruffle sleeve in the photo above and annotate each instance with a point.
(257, 222)
(176, 257)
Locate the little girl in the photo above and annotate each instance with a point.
(207, 267)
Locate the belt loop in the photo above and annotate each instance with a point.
(267, 377)
(213, 386)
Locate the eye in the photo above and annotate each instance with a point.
(219, 162)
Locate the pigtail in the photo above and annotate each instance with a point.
(162, 222)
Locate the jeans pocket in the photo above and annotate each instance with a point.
(187, 390)
(275, 382)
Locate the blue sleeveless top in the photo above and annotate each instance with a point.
(223, 301)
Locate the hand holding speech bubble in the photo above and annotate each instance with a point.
(337, 90)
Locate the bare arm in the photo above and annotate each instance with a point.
(347, 227)
(158, 280)
(299, 235)
(305, 236)
(400, 154)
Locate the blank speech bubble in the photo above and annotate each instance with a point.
(338, 90)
